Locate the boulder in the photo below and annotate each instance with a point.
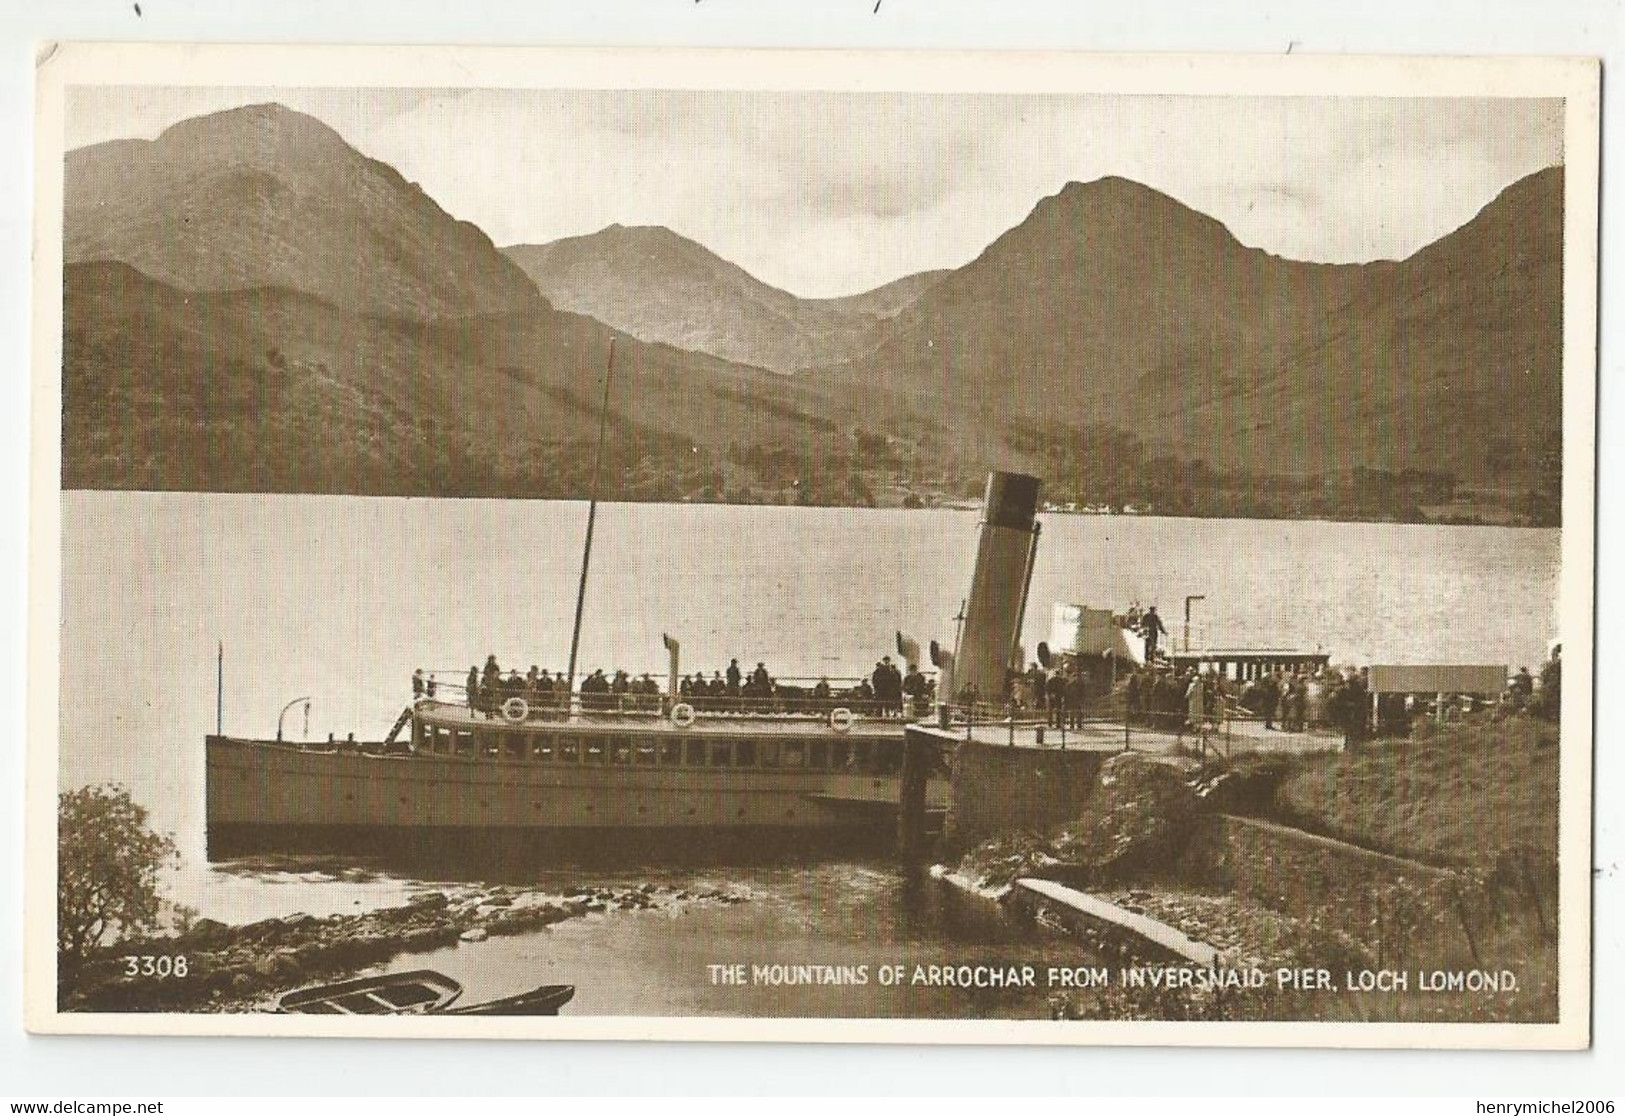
(1137, 821)
(475, 934)
(206, 932)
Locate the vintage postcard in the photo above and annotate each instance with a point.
(816, 546)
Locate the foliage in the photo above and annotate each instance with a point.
(1460, 796)
(108, 861)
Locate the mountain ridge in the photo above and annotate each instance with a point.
(1123, 345)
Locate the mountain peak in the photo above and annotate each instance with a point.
(268, 119)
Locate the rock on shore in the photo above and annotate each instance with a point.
(235, 968)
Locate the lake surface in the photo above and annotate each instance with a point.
(339, 599)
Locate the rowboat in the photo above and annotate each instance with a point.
(544, 999)
(418, 992)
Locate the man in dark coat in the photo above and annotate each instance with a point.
(1152, 629)
(1055, 698)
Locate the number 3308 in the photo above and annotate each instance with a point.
(155, 965)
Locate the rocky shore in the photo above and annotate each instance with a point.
(215, 967)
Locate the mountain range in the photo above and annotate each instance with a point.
(252, 304)
(659, 286)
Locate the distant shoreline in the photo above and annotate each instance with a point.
(1461, 514)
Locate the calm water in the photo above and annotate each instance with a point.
(341, 598)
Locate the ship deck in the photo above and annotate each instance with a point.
(455, 717)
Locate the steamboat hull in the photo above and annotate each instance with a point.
(263, 796)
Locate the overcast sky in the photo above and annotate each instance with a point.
(830, 194)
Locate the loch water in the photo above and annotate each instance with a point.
(339, 599)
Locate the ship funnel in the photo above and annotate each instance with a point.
(998, 592)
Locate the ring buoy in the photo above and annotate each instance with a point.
(515, 710)
(840, 719)
(682, 714)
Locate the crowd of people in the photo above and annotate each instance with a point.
(887, 692)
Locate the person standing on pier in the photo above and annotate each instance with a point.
(1055, 698)
(1133, 692)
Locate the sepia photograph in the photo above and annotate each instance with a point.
(813, 546)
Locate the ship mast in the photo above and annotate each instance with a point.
(592, 515)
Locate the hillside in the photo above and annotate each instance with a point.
(274, 390)
(262, 196)
(659, 286)
(1116, 307)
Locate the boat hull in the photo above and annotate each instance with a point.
(263, 796)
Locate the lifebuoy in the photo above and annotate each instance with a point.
(840, 718)
(682, 714)
(515, 710)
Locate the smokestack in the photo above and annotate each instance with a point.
(998, 592)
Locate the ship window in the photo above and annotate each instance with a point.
(721, 753)
(745, 753)
(860, 756)
(769, 753)
(513, 745)
(695, 756)
(643, 749)
(542, 748)
(620, 749)
(569, 749)
(840, 755)
(465, 744)
(592, 749)
(793, 753)
(888, 757)
(671, 753)
(818, 754)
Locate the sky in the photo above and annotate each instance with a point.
(827, 194)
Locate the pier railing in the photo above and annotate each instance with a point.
(1110, 725)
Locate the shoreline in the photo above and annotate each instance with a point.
(213, 967)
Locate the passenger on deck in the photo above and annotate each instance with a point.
(417, 683)
(734, 678)
(820, 693)
(914, 690)
(472, 687)
(717, 690)
(863, 698)
(533, 679)
(1152, 629)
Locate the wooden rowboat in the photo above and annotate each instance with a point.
(418, 992)
(544, 1000)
